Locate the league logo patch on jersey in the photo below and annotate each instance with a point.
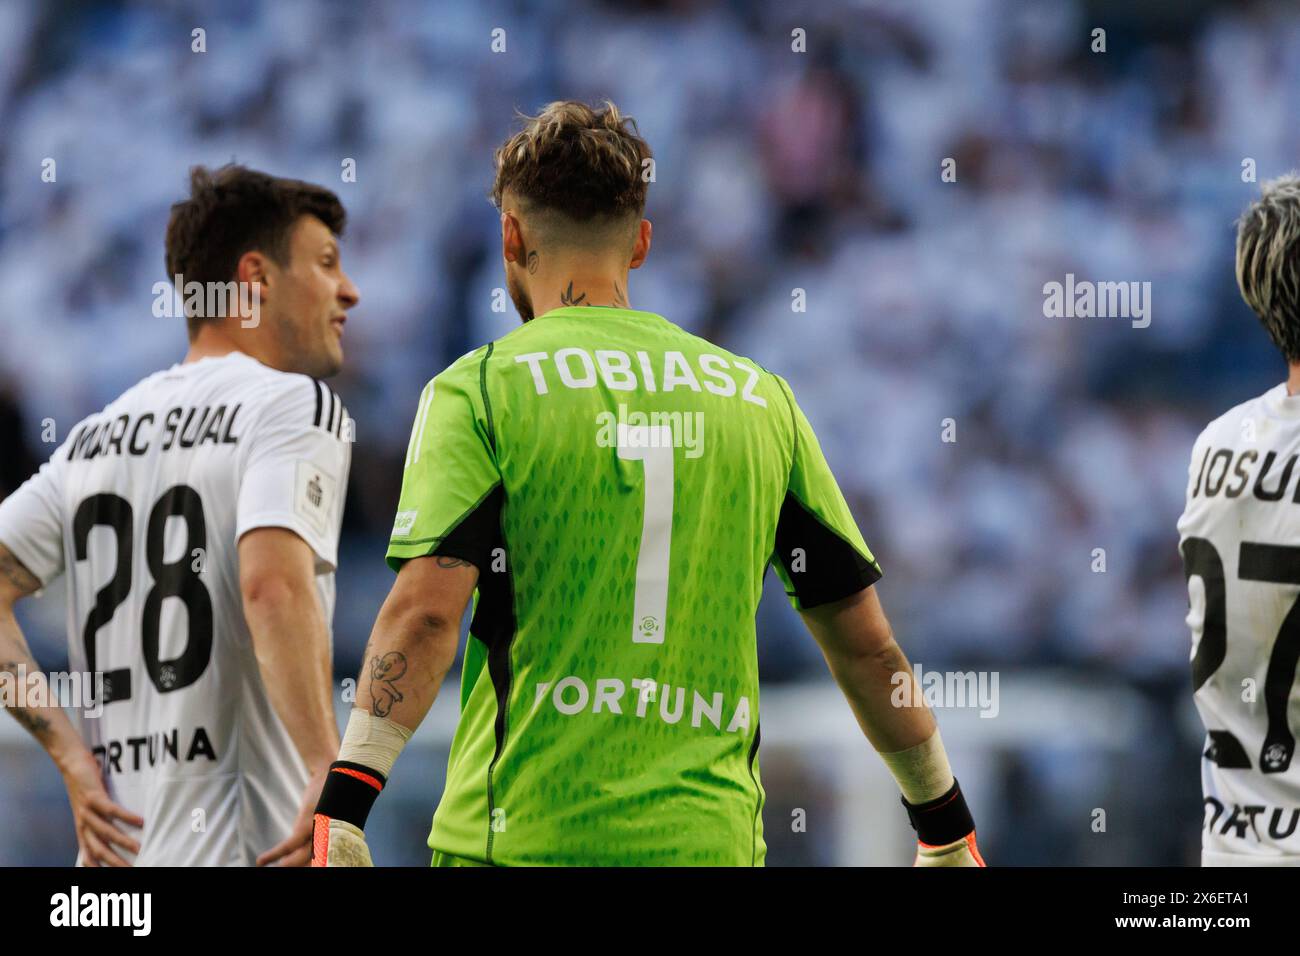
(314, 499)
(404, 522)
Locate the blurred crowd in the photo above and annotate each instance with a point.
(1018, 476)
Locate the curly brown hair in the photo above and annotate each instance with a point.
(587, 164)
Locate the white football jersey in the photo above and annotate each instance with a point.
(1240, 541)
(142, 507)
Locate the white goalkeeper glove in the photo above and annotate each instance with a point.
(945, 831)
(338, 843)
(961, 853)
(370, 746)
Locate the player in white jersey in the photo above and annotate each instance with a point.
(196, 519)
(1240, 542)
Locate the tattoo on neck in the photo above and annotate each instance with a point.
(620, 300)
(532, 262)
(566, 297)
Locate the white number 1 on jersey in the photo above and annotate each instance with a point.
(654, 447)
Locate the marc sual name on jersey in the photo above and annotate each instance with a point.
(180, 427)
(1229, 471)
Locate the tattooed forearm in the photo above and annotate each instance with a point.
(11, 667)
(16, 580)
(36, 724)
(385, 671)
(13, 573)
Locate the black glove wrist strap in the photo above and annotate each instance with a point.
(350, 791)
(945, 819)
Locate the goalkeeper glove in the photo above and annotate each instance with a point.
(369, 749)
(350, 791)
(945, 831)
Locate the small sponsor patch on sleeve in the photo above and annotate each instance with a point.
(314, 498)
(404, 523)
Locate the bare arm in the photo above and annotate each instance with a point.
(49, 724)
(859, 647)
(290, 638)
(414, 640)
(869, 666)
(277, 578)
(411, 648)
(92, 810)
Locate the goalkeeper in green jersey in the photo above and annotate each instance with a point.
(611, 489)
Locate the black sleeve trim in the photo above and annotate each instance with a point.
(338, 427)
(328, 418)
(319, 400)
(477, 533)
(832, 567)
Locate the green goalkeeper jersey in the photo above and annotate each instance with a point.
(621, 486)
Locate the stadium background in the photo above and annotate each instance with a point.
(775, 171)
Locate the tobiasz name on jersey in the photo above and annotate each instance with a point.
(180, 427)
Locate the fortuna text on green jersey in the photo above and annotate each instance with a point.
(621, 486)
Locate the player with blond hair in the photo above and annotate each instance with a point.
(614, 488)
(1240, 542)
